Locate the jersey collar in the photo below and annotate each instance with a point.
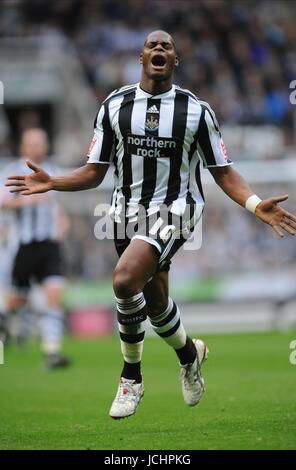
(145, 94)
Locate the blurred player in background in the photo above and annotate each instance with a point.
(156, 134)
(8, 247)
(38, 257)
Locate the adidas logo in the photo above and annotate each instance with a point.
(153, 109)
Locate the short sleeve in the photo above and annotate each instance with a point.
(101, 148)
(210, 144)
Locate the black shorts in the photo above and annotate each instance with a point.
(167, 237)
(36, 261)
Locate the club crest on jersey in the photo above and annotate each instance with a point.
(152, 119)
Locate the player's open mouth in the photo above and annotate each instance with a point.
(158, 61)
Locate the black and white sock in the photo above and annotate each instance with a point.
(51, 330)
(24, 322)
(131, 315)
(168, 326)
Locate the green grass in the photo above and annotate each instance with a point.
(249, 402)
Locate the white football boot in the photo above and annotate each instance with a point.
(193, 385)
(128, 397)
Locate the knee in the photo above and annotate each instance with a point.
(124, 283)
(13, 303)
(54, 296)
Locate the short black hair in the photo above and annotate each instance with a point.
(162, 31)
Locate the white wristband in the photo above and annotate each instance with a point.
(252, 202)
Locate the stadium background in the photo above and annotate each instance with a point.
(59, 59)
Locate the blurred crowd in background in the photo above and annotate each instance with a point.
(240, 56)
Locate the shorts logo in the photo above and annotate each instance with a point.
(151, 147)
(152, 119)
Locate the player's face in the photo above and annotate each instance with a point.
(34, 145)
(159, 56)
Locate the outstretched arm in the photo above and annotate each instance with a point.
(214, 154)
(85, 177)
(268, 210)
(100, 154)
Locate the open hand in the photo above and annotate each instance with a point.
(36, 182)
(278, 218)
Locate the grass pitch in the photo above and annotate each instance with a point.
(249, 402)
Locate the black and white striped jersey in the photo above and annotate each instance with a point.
(37, 221)
(156, 143)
